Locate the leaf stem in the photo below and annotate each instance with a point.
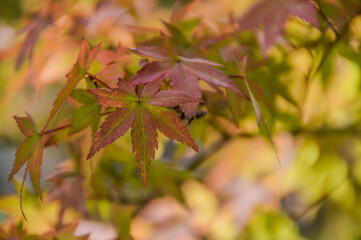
(98, 80)
(65, 126)
(21, 193)
(236, 76)
(55, 129)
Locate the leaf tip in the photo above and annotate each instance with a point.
(144, 180)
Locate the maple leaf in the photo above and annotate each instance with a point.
(273, 14)
(183, 72)
(80, 68)
(180, 9)
(144, 113)
(88, 114)
(112, 62)
(67, 189)
(30, 151)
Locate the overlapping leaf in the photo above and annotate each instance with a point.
(273, 14)
(80, 68)
(183, 72)
(144, 113)
(88, 114)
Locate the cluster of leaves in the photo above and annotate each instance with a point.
(139, 105)
(164, 92)
(144, 109)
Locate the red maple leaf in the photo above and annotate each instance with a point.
(183, 72)
(144, 113)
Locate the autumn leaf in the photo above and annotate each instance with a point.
(144, 113)
(183, 72)
(181, 7)
(26, 125)
(273, 14)
(112, 62)
(80, 68)
(30, 151)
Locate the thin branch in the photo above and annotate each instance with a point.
(339, 37)
(55, 129)
(327, 20)
(236, 76)
(66, 126)
(21, 193)
(98, 80)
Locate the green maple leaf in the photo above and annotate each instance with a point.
(30, 151)
(144, 113)
(88, 114)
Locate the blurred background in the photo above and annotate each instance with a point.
(304, 70)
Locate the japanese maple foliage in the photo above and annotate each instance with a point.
(178, 100)
(183, 72)
(144, 113)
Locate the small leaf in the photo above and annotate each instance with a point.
(82, 96)
(179, 39)
(23, 153)
(26, 125)
(257, 109)
(35, 161)
(85, 59)
(180, 9)
(235, 105)
(84, 116)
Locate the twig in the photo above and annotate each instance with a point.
(327, 20)
(65, 126)
(55, 129)
(333, 44)
(236, 76)
(98, 80)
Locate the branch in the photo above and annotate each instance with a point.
(65, 126)
(98, 80)
(327, 20)
(342, 33)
